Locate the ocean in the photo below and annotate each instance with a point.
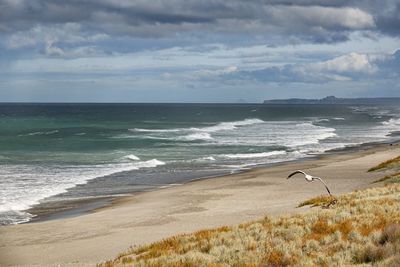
(60, 153)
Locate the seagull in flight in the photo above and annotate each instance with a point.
(310, 178)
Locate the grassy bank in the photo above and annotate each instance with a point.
(361, 228)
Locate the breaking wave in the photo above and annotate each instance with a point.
(13, 203)
(254, 155)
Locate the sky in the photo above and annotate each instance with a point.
(197, 51)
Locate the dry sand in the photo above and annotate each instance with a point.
(89, 239)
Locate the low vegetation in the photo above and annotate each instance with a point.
(391, 178)
(389, 164)
(361, 228)
(324, 201)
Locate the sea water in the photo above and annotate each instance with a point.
(61, 152)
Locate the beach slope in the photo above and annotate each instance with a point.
(147, 217)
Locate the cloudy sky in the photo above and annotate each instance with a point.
(197, 51)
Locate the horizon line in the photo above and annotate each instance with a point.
(228, 103)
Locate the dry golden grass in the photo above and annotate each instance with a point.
(363, 228)
(320, 201)
(389, 164)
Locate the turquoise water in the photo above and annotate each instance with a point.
(55, 152)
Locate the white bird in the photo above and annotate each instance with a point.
(310, 178)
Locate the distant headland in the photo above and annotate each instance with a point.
(329, 100)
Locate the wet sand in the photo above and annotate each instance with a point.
(146, 217)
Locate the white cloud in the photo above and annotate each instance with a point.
(353, 62)
(230, 69)
(348, 67)
(45, 35)
(213, 72)
(52, 50)
(324, 17)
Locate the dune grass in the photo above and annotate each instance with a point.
(389, 164)
(391, 178)
(325, 201)
(362, 228)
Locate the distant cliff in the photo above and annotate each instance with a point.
(334, 100)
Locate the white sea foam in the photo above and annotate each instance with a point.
(210, 158)
(222, 126)
(254, 155)
(322, 120)
(281, 156)
(307, 133)
(393, 122)
(40, 133)
(202, 159)
(195, 136)
(329, 119)
(149, 164)
(132, 157)
(277, 133)
(193, 133)
(189, 137)
(22, 186)
(386, 127)
(44, 133)
(14, 217)
(156, 130)
(380, 132)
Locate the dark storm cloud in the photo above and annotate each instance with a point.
(272, 22)
(18, 14)
(390, 22)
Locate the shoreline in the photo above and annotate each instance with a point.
(86, 206)
(203, 203)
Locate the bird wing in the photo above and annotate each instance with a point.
(296, 172)
(319, 179)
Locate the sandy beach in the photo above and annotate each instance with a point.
(92, 238)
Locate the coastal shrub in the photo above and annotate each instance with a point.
(370, 254)
(387, 247)
(390, 234)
